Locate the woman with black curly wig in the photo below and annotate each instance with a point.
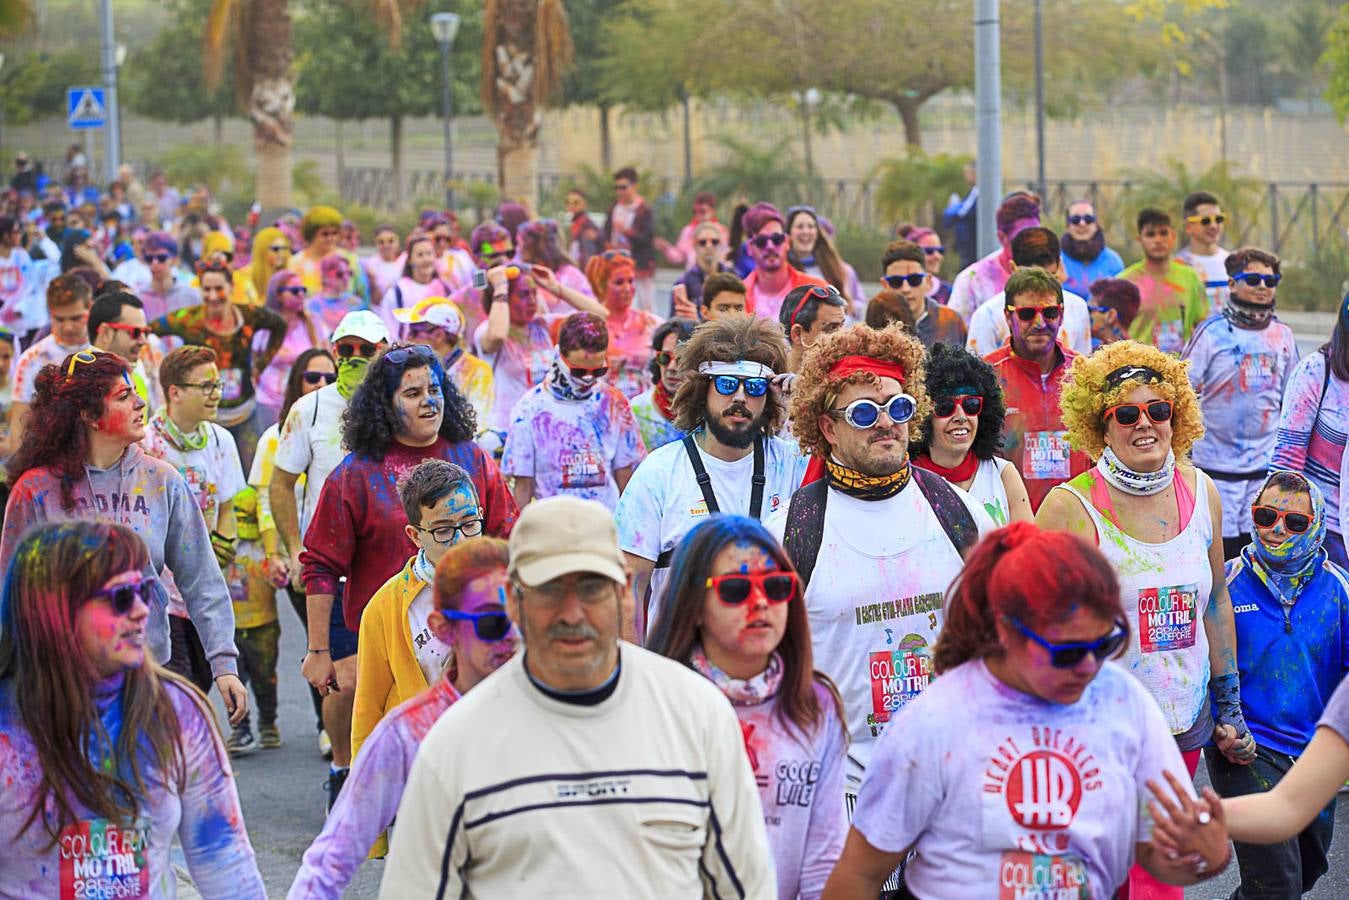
(405, 411)
(964, 434)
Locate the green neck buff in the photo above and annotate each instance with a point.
(350, 373)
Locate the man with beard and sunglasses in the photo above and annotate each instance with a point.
(876, 541)
(1030, 369)
(468, 587)
(729, 461)
(585, 761)
(773, 277)
(1086, 258)
(1241, 359)
(574, 433)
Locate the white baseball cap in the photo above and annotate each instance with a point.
(364, 324)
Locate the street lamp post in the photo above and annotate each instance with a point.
(443, 26)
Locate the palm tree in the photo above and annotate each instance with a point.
(526, 49)
(259, 34)
(16, 17)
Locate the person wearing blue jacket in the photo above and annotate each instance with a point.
(1086, 258)
(1291, 606)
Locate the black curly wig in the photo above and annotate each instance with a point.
(952, 370)
(369, 422)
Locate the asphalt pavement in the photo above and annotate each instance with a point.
(283, 795)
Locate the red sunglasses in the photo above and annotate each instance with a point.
(734, 589)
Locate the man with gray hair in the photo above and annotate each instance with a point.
(585, 761)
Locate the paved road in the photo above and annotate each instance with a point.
(283, 797)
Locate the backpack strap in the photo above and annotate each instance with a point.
(758, 480)
(805, 528)
(951, 512)
(700, 472)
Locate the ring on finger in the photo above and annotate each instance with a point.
(1204, 817)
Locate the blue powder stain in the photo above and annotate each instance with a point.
(214, 832)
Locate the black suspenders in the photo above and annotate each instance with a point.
(705, 486)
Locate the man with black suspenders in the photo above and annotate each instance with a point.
(729, 462)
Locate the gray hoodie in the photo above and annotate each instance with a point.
(148, 496)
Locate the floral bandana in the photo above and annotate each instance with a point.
(564, 386)
(1140, 484)
(1287, 568)
(750, 692)
(196, 440)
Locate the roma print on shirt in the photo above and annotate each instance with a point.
(1033, 786)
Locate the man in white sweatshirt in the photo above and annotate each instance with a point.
(585, 763)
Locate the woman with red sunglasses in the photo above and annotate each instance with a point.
(1157, 519)
(734, 613)
(962, 438)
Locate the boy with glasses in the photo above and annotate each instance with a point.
(904, 270)
(1204, 221)
(1241, 359)
(1171, 295)
(183, 434)
(1030, 367)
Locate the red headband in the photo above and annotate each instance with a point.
(849, 365)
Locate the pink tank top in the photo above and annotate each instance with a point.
(1100, 498)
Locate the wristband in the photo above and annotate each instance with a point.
(1205, 874)
(324, 650)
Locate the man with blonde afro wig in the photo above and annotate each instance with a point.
(729, 461)
(876, 541)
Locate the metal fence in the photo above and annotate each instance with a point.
(1289, 217)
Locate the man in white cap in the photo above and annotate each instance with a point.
(310, 445)
(584, 761)
(729, 460)
(438, 322)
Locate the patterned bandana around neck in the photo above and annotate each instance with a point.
(866, 487)
(664, 402)
(1247, 315)
(196, 440)
(1140, 484)
(751, 692)
(564, 386)
(422, 569)
(1287, 568)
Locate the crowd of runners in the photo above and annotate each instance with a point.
(773, 585)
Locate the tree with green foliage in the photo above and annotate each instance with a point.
(348, 72)
(33, 85)
(584, 83)
(163, 79)
(1336, 58)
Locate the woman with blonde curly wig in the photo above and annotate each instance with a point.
(1130, 406)
(876, 541)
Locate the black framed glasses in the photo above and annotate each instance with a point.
(913, 279)
(727, 385)
(709, 242)
(864, 414)
(1069, 654)
(1255, 279)
(583, 372)
(450, 534)
(206, 387)
(297, 290)
(123, 597)
(945, 407)
(157, 257)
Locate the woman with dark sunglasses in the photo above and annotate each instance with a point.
(964, 434)
(1045, 796)
(1157, 519)
(107, 757)
(734, 613)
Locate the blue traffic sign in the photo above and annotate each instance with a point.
(85, 107)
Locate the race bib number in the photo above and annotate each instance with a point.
(1037, 876)
(582, 469)
(1045, 456)
(1167, 617)
(1171, 336)
(897, 676)
(231, 384)
(1257, 371)
(100, 860)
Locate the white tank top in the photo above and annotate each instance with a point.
(988, 489)
(1165, 591)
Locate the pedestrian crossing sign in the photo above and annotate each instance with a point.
(85, 107)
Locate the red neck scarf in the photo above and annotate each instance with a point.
(960, 473)
(662, 398)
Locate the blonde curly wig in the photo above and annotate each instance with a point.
(1085, 399)
(814, 391)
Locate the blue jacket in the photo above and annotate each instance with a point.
(1290, 659)
(1107, 264)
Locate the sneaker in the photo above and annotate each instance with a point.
(336, 778)
(269, 737)
(241, 742)
(325, 745)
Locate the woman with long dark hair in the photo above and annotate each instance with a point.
(418, 281)
(539, 244)
(106, 757)
(1023, 769)
(1313, 425)
(85, 463)
(810, 250)
(734, 613)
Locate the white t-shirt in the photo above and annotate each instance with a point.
(44, 352)
(662, 501)
(573, 447)
(1040, 801)
(432, 653)
(1212, 270)
(875, 603)
(988, 326)
(311, 444)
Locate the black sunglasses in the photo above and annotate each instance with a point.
(316, 377)
(364, 349)
(1087, 219)
(913, 279)
(400, 355)
(664, 358)
(1068, 655)
(763, 240)
(1253, 279)
(488, 626)
(945, 407)
(123, 597)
